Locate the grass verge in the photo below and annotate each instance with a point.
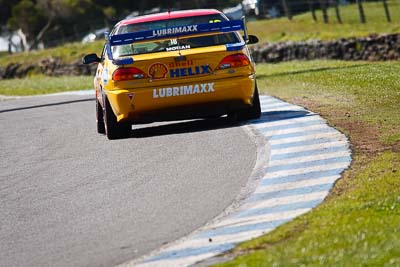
(359, 223)
(303, 28)
(40, 84)
(67, 53)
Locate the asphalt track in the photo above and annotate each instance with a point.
(70, 197)
(304, 160)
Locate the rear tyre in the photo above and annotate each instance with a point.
(254, 112)
(100, 118)
(114, 129)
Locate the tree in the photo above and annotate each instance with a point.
(5, 11)
(109, 15)
(361, 11)
(49, 21)
(27, 19)
(337, 11)
(312, 9)
(286, 9)
(52, 22)
(385, 6)
(324, 8)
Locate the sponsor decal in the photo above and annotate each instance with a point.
(175, 30)
(104, 75)
(131, 96)
(178, 47)
(158, 71)
(192, 89)
(190, 71)
(186, 63)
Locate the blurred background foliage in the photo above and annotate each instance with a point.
(49, 23)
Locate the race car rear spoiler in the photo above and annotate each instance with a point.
(175, 32)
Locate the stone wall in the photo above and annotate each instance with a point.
(372, 48)
(49, 67)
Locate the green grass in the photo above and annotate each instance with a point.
(67, 53)
(344, 85)
(40, 84)
(359, 223)
(302, 27)
(359, 228)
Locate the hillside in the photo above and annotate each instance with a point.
(277, 30)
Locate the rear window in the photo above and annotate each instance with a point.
(180, 43)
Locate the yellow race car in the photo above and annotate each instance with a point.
(174, 66)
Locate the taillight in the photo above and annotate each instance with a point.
(233, 61)
(123, 74)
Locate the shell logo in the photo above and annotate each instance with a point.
(158, 71)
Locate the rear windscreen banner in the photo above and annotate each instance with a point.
(176, 31)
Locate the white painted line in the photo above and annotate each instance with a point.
(306, 148)
(276, 106)
(294, 130)
(268, 101)
(278, 201)
(284, 215)
(82, 92)
(297, 184)
(310, 158)
(200, 243)
(215, 240)
(174, 262)
(311, 136)
(288, 121)
(277, 174)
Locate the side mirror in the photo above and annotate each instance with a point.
(91, 58)
(252, 39)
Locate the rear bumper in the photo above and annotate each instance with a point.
(182, 100)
